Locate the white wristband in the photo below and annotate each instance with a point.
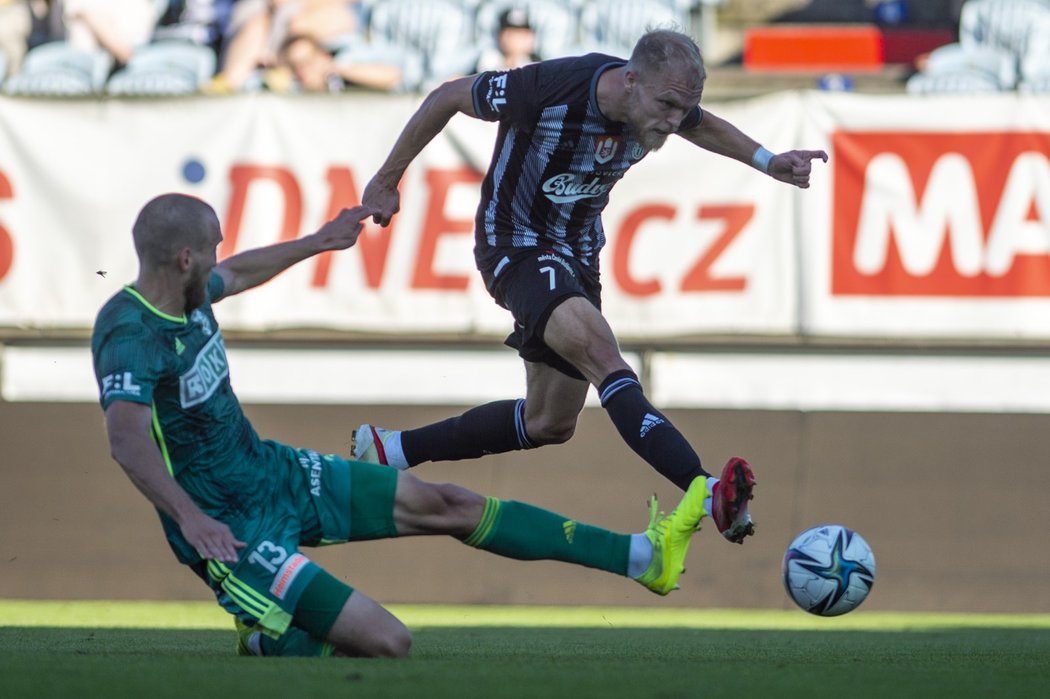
(760, 160)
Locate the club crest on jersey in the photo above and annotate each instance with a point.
(605, 148)
(200, 319)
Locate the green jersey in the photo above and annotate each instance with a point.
(177, 365)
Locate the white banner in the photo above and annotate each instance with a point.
(934, 220)
(696, 242)
(931, 220)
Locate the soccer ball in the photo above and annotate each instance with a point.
(828, 570)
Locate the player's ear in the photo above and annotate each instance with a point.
(630, 77)
(184, 259)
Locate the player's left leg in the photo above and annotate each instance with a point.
(578, 331)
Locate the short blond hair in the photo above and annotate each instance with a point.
(659, 48)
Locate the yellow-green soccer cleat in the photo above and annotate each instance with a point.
(246, 644)
(670, 536)
(368, 444)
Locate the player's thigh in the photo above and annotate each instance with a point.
(578, 331)
(341, 500)
(364, 627)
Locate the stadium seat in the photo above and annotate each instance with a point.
(554, 21)
(164, 68)
(614, 26)
(961, 82)
(407, 59)
(955, 59)
(57, 69)
(442, 31)
(1008, 25)
(959, 69)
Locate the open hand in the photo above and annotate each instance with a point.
(211, 538)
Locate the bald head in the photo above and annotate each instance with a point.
(169, 223)
(662, 50)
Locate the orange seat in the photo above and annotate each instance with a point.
(814, 47)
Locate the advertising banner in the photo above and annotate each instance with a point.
(931, 220)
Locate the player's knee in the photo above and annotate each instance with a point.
(396, 643)
(547, 431)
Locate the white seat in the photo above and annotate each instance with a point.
(58, 69)
(442, 31)
(961, 82)
(407, 59)
(556, 23)
(999, 65)
(614, 26)
(164, 68)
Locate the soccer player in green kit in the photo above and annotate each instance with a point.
(237, 509)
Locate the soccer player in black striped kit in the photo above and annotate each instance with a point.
(568, 131)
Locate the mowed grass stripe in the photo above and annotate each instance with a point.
(206, 615)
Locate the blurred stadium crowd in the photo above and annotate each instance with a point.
(172, 47)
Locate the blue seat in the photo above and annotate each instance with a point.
(59, 70)
(164, 68)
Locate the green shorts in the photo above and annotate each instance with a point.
(323, 499)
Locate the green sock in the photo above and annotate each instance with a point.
(519, 530)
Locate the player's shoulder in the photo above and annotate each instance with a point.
(122, 316)
(577, 67)
(570, 79)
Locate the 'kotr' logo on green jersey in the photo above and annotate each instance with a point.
(209, 369)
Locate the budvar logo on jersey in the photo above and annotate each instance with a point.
(941, 214)
(568, 187)
(606, 148)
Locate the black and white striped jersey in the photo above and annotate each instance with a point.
(556, 157)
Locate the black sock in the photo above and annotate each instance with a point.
(493, 428)
(647, 431)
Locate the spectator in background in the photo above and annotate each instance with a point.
(118, 26)
(515, 43)
(258, 28)
(198, 21)
(16, 23)
(304, 60)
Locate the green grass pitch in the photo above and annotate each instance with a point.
(140, 649)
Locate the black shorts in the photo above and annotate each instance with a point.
(530, 284)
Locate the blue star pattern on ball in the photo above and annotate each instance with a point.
(829, 570)
(839, 570)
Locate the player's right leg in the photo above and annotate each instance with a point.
(366, 628)
(530, 283)
(655, 557)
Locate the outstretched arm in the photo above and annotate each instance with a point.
(131, 446)
(253, 267)
(439, 106)
(719, 136)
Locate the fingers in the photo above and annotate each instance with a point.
(223, 549)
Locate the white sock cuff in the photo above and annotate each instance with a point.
(640, 556)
